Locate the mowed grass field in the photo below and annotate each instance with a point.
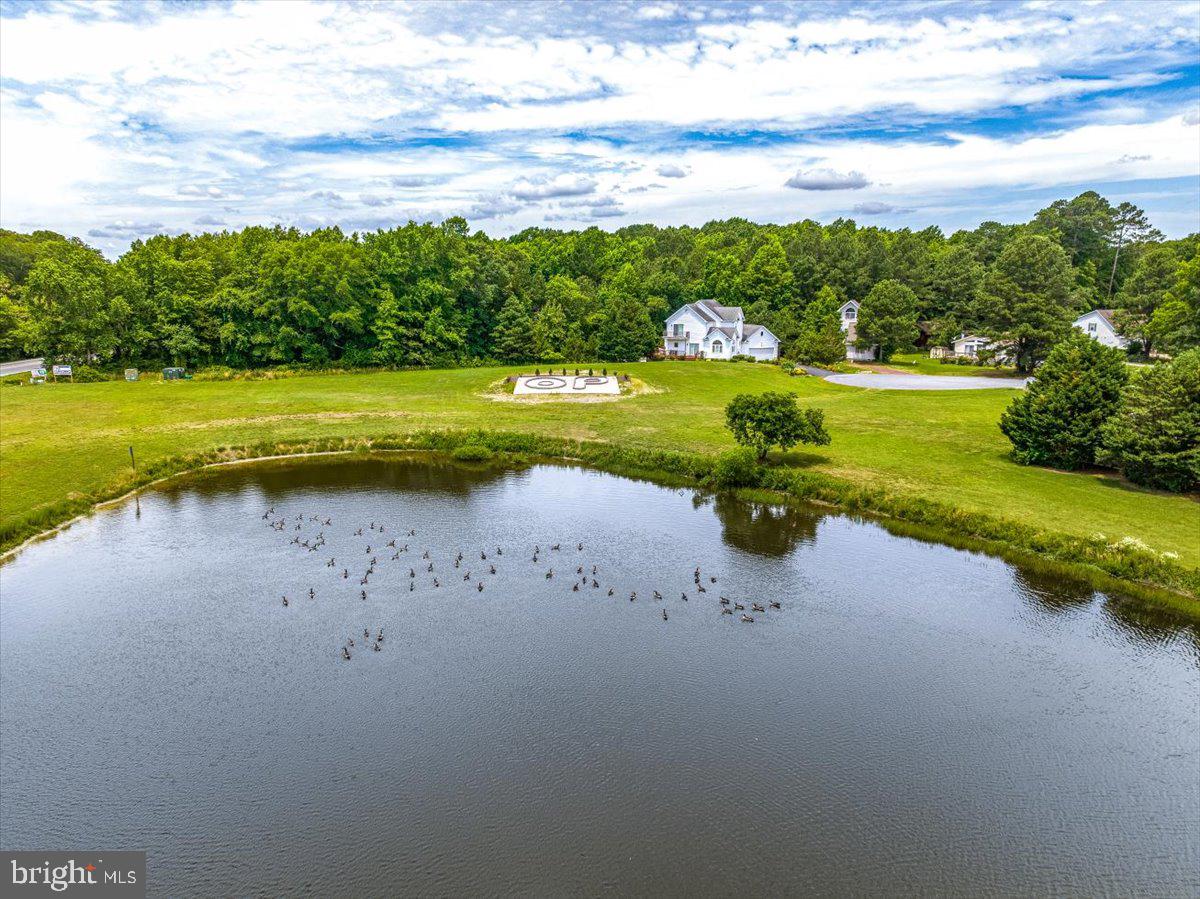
(63, 439)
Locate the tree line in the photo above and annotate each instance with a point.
(425, 294)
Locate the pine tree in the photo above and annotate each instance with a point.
(1057, 421)
(888, 318)
(513, 333)
(768, 278)
(549, 332)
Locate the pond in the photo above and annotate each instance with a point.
(912, 718)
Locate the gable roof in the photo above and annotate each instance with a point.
(854, 303)
(724, 313)
(1106, 314)
(749, 331)
(728, 330)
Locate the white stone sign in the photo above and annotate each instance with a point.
(573, 385)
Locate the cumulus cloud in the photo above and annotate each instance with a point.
(375, 200)
(877, 207)
(565, 185)
(669, 170)
(126, 229)
(208, 220)
(826, 179)
(328, 196)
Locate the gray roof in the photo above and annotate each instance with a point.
(728, 330)
(749, 330)
(725, 313)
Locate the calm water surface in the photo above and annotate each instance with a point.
(914, 719)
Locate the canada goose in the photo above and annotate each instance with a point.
(375, 646)
(345, 653)
(493, 569)
(739, 606)
(550, 574)
(366, 634)
(633, 596)
(664, 611)
(555, 546)
(396, 556)
(610, 591)
(329, 564)
(483, 556)
(411, 573)
(579, 570)
(724, 600)
(775, 604)
(435, 583)
(726, 611)
(285, 602)
(574, 588)
(593, 569)
(345, 573)
(379, 636)
(351, 641)
(312, 594)
(700, 588)
(364, 594)
(467, 576)
(411, 586)
(392, 543)
(358, 533)
(747, 618)
(580, 547)
(430, 568)
(683, 596)
(480, 587)
(595, 583)
(755, 607)
(456, 561)
(499, 551)
(713, 579)
(368, 550)
(425, 555)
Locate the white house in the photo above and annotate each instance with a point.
(1098, 325)
(712, 331)
(848, 316)
(970, 345)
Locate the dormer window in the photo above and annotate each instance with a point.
(850, 313)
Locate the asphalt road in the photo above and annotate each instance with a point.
(882, 381)
(17, 366)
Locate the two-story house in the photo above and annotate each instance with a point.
(708, 330)
(848, 316)
(1098, 325)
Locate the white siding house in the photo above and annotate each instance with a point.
(970, 345)
(1098, 325)
(708, 330)
(848, 316)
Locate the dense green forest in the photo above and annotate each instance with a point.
(437, 294)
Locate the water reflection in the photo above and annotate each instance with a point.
(762, 528)
(997, 726)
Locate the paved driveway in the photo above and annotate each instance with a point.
(926, 382)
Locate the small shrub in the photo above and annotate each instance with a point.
(472, 452)
(85, 374)
(742, 357)
(736, 468)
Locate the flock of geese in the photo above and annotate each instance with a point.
(379, 543)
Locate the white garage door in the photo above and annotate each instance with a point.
(762, 352)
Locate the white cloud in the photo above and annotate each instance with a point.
(670, 170)
(826, 179)
(565, 185)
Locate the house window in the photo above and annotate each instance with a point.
(1091, 327)
(718, 347)
(851, 313)
(677, 330)
(693, 349)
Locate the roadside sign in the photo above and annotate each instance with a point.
(131, 374)
(38, 376)
(62, 371)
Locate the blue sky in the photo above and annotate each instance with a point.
(122, 120)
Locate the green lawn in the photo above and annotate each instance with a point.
(62, 439)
